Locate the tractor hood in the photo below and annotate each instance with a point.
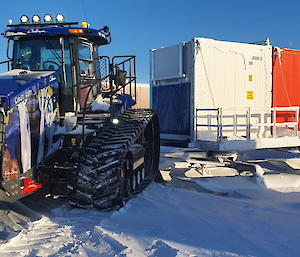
(17, 85)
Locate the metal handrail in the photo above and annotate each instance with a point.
(2, 132)
(249, 113)
(131, 77)
(8, 62)
(112, 92)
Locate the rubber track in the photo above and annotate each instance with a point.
(98, 182)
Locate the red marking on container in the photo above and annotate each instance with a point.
(286, 82)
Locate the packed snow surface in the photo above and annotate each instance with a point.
(176, 219)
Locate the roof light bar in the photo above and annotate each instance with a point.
(36, 19)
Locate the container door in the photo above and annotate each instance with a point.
(171, 91)
(172, 104)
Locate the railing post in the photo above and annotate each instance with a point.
(274, 123)
(209, 121)
(220, 127)
(297, 120)
(248, 124)
(196, 124)
(234, 124)
(134, 71)
(111, 72)
(130, 93)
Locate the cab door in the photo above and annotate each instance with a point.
(86, 72)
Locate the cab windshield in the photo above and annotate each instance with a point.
(38, 54)
(41, 54)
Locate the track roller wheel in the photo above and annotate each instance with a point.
(139, 177)
(127, 187)
(134, 182)
(143, 174)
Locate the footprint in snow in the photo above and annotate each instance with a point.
(268, 208)
(161, 249)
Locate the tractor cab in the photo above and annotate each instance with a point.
(72, 52)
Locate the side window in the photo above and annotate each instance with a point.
(87, 74)
(85, 52)
(85, 60)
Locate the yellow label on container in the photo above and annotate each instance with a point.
(73, 141)
(250, 77)
(249, 95)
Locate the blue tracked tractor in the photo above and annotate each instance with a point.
(66, 117)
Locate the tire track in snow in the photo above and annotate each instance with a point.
(69, 233)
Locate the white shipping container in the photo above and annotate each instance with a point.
(210, 74)
(231, 75)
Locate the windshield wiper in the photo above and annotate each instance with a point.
(52, 49)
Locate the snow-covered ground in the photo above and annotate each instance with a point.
(249, 216)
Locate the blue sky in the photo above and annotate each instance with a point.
(140, 25)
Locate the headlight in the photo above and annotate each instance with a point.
(24, 19)
(48, 18)
(115, 121)
(60, 18)
(36, 19)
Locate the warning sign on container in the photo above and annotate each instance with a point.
(249, 95)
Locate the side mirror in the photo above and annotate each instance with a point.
(106, 29)
(7, 51)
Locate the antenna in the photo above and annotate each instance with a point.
(84, 11)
